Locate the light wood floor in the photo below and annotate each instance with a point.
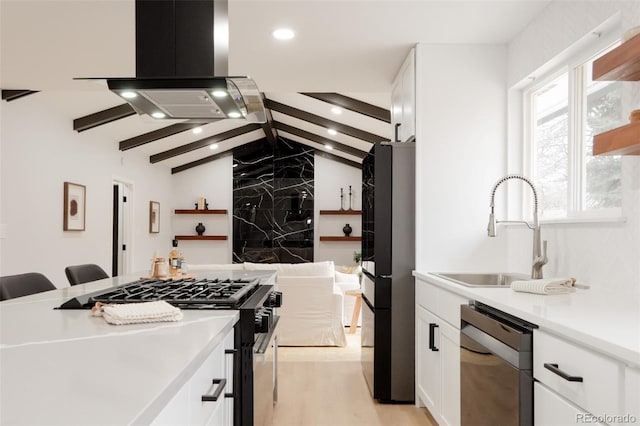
(324, 386)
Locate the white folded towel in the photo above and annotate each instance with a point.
(135, 313)
(545, 286)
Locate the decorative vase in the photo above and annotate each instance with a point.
(200, 228)
(347, 230)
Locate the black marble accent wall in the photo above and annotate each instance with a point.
(273, 190)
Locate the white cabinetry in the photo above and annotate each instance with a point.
(403, 100)
(586, 383)
(214, 377)
(438, 352)
(632, 392)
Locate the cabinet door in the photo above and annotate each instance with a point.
(396, 110)
(428, 362)
(408, 128)
(450, 368)
(176, 411)
(632, 392)
(550, 409)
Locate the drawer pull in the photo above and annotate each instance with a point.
(554, 369)
(216, 394)
(432, 345)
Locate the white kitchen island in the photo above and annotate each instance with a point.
(66, 367)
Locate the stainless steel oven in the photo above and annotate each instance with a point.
(496, 368)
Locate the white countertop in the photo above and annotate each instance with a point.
(602, 319)
(66, 367)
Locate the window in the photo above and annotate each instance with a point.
(563, 113)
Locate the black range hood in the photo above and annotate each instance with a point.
(182, 65)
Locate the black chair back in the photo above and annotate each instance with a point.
(23, 285)
(80, 274)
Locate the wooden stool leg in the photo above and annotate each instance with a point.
(356, 313)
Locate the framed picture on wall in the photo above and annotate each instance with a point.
(154, 217)
(74, 206)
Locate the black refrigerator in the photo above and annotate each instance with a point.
(388, 259)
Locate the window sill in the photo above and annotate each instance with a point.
(575, 220)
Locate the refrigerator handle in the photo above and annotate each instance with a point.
(395, 134)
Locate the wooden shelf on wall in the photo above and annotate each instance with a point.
(221, 211)
(620, 64)
(624, 140)
(341, 212)
(340, 238)
(201, 237)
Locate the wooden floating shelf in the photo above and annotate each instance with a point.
(620, 64)
(329, 238)
(624, 140)
(201, 211)
(201, 237)
(341, 212)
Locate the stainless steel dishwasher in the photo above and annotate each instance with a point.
(496, 368)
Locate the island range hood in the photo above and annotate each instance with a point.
(182, 51)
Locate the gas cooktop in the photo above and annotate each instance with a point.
(182, 293)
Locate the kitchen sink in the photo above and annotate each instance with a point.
(499, 279)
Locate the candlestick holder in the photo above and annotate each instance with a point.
(341, 199)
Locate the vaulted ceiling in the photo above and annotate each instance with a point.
(345, 54)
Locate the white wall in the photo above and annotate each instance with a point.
(460, 154)
(213, 181)
(39, 152)
(597, 254)
(330, 176)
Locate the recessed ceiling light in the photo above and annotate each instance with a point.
(219, 94)
(128, 95)
(234, 114)
(213, 146)
(158, 114)
(283, 34)
(329, 147)
(197, 130)
(332, 132)
(336, 110)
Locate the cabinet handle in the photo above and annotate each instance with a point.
(233, 353)
(216, 394)
(395, 132)
(432, 328)
(554, 369)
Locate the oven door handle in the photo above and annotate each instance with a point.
(264, 345)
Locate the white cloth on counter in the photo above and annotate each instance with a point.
(545, 286)
(136, 313)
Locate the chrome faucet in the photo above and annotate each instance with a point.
(539, 250)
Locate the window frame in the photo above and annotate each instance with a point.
(573, 66)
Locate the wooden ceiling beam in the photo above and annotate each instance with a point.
(202, 143)
(354, 105)
(269, 129)
(12, 95)
(337, 158)
(319, 139)
(156, 134)
(323, 122)
(102, 117)
(202, 161)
